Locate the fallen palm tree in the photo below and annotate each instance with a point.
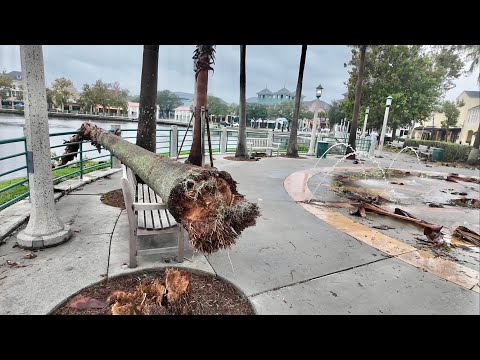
(203, 199)
(432, 231)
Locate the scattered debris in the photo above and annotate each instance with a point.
(467, 235)
(30, 255)
(435, 205)
(434, 236)
(86, 302)
(400, 214)
(465, 202)
(383, 227)
(359, 212)
(455, 178)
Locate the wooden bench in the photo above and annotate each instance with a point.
(147, 215)
(262, 144)
(396, 144)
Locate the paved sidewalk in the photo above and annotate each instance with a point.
(289, 263)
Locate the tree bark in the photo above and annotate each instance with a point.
(147, 125)
(394, 131)
(242, 126)
(203, 58)
(356, 109)
(292, 150)
(204, 200)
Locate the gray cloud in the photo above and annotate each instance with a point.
(272, 65)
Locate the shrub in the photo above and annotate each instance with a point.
(453, 152)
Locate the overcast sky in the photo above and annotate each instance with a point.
(267, 65)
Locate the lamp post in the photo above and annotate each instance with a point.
(313, 136)
(384, 128)
(367, 110)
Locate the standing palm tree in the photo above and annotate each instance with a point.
(203, 57)
(146, 132)
(356, 109)
(292, 150)
(242, 129)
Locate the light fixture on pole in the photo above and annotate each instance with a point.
(313, 136)
(384, 128)
(367, 110)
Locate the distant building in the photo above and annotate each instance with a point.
(133, 109)
(267, 97)
(17, 81)
(183, 114)
(469, 116)
(462, 132)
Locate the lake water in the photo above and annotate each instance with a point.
(11, 126)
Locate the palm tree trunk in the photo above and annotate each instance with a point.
(242, 126)
(204, 200)
(394, 131)
(292, 150)
(204, 55)
(356, 109)
(146, 132)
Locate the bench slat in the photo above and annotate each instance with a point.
(152, 212)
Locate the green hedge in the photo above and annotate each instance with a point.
(453, 152)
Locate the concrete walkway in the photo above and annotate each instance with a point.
(289, 263)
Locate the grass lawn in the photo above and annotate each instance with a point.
(22, 189)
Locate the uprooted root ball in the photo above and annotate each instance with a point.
(212, 211)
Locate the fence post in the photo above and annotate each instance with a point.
(223, 141)
(80, 149)
(115, 163)
(174, 142)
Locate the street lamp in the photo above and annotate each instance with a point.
(367, 110)
(384, 128)
(313, 136)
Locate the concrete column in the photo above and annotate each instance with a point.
(223, 141)
(44, 227)
(373, 145)
(174, 142)
(116, 163)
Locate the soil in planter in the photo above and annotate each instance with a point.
(206, 295)
(114, 198)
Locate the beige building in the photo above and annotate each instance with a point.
(470, 127)
(467, 122)
(469, 116)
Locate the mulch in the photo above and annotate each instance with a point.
(114, 198)
(233, 158)
(207, 295)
